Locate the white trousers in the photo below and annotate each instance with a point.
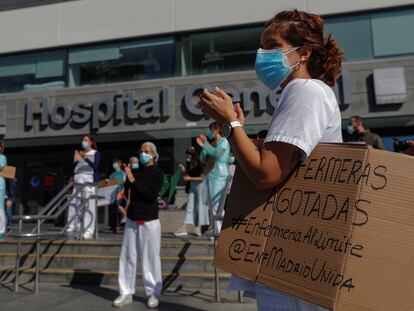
(3, 220)
(266, 302)
(143, 240)
(75, 203)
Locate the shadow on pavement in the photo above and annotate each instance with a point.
(110, 295)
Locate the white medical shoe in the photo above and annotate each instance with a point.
(122, 300)
(88, 236)
(153, 302)
(70, 230)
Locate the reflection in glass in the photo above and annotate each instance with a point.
(224, 51)
(130, 61)
(35, 71)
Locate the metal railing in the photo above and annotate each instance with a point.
(215, 217)
(58, 205)
(38, 235)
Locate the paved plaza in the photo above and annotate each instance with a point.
(99, 298)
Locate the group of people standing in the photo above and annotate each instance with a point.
(207, 175)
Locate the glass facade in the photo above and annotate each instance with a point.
(362, 37)
(223, 51)
(33, 71)
(129, 61)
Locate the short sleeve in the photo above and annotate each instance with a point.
(301, 117)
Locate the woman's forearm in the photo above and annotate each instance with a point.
(266, 166)
(199, 178)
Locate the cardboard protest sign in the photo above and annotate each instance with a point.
(8, 172)
(338, 232)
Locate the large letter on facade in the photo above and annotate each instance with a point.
(31, 112)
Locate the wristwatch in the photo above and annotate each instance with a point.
(227, 129)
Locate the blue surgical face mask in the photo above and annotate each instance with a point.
(135, 166)
(272, 66)
(350, 129)
(115, 165)
(85, 144)
(145, 158)
(210, 134)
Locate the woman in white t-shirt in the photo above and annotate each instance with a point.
(295, 56)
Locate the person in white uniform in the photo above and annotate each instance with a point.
(142, 234)
(86, 171)
(295, 56)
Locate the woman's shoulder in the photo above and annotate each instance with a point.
(299, 90)
(307, 87)
(92, 152)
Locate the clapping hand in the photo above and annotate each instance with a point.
(128, 172)
(220, 107)
(77, 157)
(201, 139)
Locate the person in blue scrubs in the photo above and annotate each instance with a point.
(216, 179)
(3, 219)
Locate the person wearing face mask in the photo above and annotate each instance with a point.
(358, 133)
(134, 162)
(142, 233)
(3, 218)
(86, 163)
(294, 55)
(216, 178)
(116, 208)
(196, 212)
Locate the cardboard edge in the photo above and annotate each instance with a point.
(348, 145)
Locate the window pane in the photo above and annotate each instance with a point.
(93, 54)
(50, 64)
(353, 34)
(130, 61)
(32, 71)
(392, 33)
(222, 51)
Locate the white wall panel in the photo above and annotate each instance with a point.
(85, 21)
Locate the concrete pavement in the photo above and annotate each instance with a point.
(99, 298)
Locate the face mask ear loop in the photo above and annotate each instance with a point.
(299, 62)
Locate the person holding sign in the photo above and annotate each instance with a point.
(142, 234)
(295, 56)
(86, 171)
(3, 219)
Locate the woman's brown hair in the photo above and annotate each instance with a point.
(1, 146)
(302, 29)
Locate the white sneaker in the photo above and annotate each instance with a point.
(122, 300)
(197, 231)
(88, 236)
(153, 302)
(70, 230)
(181, 233)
